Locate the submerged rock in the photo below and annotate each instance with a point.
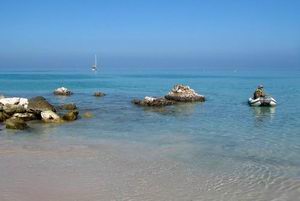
(15, 123)
(62, 91)
(153, 101)
(49, 116)
(87, 115)
(68, 106)
(182, 93)
(39, 104)
(99, 94)
(71, 116)
(3, 116)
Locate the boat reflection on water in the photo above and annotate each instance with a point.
(264, 111)
(263, 114)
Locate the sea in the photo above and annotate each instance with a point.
(221, 149)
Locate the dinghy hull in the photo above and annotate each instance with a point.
(262, 101)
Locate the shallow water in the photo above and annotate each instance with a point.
(218, 150)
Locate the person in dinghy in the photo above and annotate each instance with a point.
(259, 92)
(261, 99)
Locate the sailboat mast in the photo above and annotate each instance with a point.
(95, 60)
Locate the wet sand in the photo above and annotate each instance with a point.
(117, 170)
(106, 171)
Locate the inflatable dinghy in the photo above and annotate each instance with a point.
(262, 101)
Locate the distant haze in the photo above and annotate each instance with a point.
(149, 34)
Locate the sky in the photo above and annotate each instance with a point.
(204, 34)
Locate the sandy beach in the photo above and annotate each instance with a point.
(110, 170)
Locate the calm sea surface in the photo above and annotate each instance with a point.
(244, 153)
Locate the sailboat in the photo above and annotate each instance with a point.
(94, 66)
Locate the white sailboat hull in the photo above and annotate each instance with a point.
(94, 66)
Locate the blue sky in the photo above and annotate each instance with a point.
(148, 34)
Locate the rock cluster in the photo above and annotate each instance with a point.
(99, 94)
(62, 91)
(15, 112)
(182, 93)
(179, 93)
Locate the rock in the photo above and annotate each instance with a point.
(3, 116)
(71, 116)
(15, 101)
(25, 116)
(39, 104)
(87, 115)
(62, 91)
(69, 106)
(11, 109)
(99, 94)
(152, 101)
(182, 93)
(49, 116)
(38, 98)
(15, 123)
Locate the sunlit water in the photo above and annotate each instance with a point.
(218, 150)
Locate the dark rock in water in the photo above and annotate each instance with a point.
(62, 91)
(39, 104)
(182, 93)
(185, 99)
(68, 106)
(15, 123)
(3, 116)
(11, 109)
(71, 116)
(99, 94)
(38, 98)
(151, 101)
(26, 116)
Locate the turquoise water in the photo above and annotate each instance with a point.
(220, 136)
